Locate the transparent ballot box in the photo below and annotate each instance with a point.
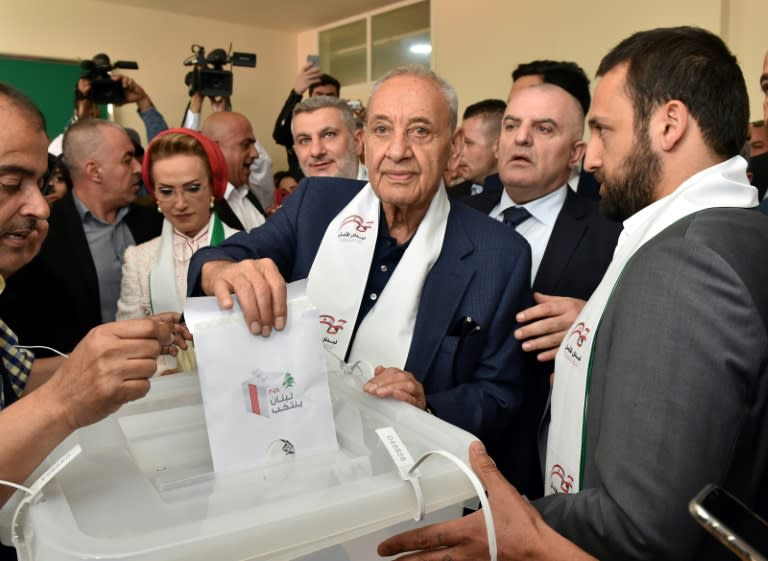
(143, 487)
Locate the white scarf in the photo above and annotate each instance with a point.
(339, 274)
(163, 295)
(723, 185)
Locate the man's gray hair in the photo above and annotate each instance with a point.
(83, 140)
(321, 101)
(449, 93)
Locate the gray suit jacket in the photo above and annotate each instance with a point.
(679, 392)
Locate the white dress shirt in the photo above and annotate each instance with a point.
(248, 215)
(537, 229)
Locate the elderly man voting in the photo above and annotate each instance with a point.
(423, 290)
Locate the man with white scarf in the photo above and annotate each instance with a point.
(423, 290)
(661, 386)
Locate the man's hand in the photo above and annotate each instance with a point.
(360, 112)
(259, 286)
(307, 76)
(179, 331)
(109, 367)
(134, 93)
(84, 107)
(221, 103)
(521, 533)
(396, 383)
(547, 324)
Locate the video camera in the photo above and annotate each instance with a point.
(209, 77)
(103, 88)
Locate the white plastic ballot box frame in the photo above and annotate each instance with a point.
(143, 488)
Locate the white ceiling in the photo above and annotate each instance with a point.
(283, 15)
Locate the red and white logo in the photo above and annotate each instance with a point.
(333, 326)
(582, 332)
(559, 480)
(355, 227)
(572, 349)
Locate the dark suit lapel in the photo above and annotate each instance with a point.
(566, 235)
(446, 282)
(227, 215)
(144, 223)
(256, 202)
(484, 202)
(69, 249)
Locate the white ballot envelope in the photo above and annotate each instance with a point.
(264, 398)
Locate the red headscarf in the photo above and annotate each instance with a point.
(212, 151)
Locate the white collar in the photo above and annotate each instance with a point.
(544, 209)
(732, 189)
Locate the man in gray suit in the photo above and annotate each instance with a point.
(661, 385)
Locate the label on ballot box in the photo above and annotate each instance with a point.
(263, 397)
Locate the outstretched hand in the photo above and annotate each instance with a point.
(521, 533)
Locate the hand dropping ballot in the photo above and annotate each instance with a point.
(264, 397)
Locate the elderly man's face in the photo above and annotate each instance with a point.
(23, 209)
(407, 141)
(324, 145)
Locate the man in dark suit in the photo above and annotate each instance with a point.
(424, 290)
(76, 276)
(571, 244)
(662, 385)
(240, 208)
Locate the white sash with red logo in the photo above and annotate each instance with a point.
(723, 185)
(339, 274)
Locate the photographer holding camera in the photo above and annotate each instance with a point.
(133, 93)
(128, 91)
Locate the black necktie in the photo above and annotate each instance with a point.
(515, 215)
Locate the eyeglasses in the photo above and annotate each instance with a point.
(189, 190)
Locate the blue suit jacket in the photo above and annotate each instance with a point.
(483, 273)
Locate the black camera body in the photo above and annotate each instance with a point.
(209, 77)
(103, 88)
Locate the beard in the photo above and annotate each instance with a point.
(631, 188)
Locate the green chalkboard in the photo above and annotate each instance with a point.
(50, 84)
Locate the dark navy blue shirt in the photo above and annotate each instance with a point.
(386, 256)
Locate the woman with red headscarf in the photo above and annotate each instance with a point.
(186, 173)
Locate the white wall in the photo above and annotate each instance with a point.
(479, 54)
(745, 23)
(158, 41)
(476, 45)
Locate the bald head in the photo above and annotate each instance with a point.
(540, 142)
(13, 99)
(84, 141)
(234, 135)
